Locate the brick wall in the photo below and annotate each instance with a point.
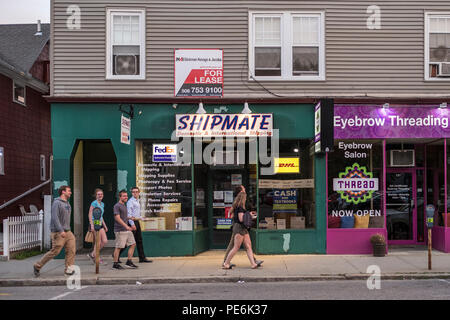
(24, 135)
(40, 69)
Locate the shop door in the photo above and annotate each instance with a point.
(401, 206)
(100, 171)
(223, 183)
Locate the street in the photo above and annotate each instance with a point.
(435, 289)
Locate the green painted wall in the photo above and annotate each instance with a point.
(83, 121)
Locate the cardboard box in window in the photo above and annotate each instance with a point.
(153, 224)
(297, 222)
(281, 224)
(183, 223)
(286, 216)
(263, 224)
(271, 226)
(170, 219)
(270, 223)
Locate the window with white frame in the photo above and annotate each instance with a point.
(125, 44)
(437, 46)
(42, 167)
(287, 46)
(18, 93)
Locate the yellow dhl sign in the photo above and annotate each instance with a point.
(287, 165)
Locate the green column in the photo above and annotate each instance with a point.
(320, 183)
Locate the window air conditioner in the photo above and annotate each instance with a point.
(125, 64)
(444, 69)
(402, 158)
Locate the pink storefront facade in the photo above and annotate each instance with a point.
(388, 164)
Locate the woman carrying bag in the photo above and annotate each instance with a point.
(98, 205)
(241, 231)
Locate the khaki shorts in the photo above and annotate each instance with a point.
(124, 239)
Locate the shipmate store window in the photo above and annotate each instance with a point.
(286, 194)
(355, 198)
(166, 195)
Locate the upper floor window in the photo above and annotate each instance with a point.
(287, 46)
(437, 46)
(125, 44)
(18, 93)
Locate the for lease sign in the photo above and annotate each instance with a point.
(198, 72)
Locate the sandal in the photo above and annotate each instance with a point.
(227, 268)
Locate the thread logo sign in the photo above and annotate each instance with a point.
(164, 153)
(355, 184)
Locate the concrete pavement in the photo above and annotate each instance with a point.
(405, 263)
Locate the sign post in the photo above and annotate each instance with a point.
(97, 215)
(430, 217)
(323, 126)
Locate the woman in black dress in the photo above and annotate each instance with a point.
(241, 232)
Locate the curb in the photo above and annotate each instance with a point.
(132, 281)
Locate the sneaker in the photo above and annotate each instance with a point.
(130, 264)
(117, 266)
(36, 271)
(102, 263)
(69, 273)
(118, 261)
(91, 257)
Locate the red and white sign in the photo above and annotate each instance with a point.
(198, 72)
(125, 130)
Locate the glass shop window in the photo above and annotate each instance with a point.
(166, 195)
(286, 187)
(355, 198)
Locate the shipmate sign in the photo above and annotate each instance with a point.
(223, 125)
(198, 72)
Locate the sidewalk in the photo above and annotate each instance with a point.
(206, 267)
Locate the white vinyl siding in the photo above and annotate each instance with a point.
(287, 46)
(360, 62)
(125, 44)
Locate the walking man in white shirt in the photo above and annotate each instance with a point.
(134, 214)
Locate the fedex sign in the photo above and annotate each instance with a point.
(164, 153)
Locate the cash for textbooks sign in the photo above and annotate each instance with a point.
(223, 125)
(198, 72)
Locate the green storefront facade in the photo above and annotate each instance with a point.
(105, 162)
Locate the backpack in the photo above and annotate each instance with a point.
(247, 220)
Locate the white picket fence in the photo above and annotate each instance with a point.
(21, 233)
